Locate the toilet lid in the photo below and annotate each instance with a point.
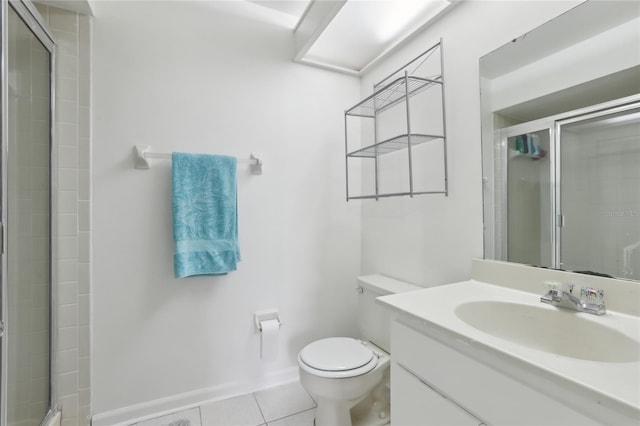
(336, 354)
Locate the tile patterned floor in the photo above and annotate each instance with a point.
(286, 405)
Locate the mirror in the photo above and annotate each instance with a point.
(561, 143)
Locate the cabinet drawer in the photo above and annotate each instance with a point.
(414, 403)
(491, 395)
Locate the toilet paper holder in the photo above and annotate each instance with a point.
(266, 315)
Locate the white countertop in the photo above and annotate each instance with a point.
(435, 306)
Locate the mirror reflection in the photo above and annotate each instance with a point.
(561, 143)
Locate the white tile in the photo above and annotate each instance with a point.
(84, 278)
(68, 315)
(68, 361)
(306, 418)
(83, 309)
(84, 340)
(84, 373)
(84, 247)
(67, 112)
(239, 411)
(84, 122)
(84, 81)
(67, 179)
(63, 20)
(69, 407)
(67, 291)
(67, 225)
(84, 154)
(67, 247)
(67, 338)
(68, 61)
(67, 89)
(282, 401)
(67, 273)
(67, 202)
(84, 396)
(67, 134)
(68, 156)
(84, 186)
(84, 215)
(189, 417)
(68, 384)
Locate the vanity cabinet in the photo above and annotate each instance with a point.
(420, 404)
(434, 382)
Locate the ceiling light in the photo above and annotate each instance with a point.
(360, 32)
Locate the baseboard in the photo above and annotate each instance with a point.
(159, 407)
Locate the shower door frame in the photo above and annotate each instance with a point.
(32, 18)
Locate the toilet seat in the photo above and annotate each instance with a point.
(337, 357)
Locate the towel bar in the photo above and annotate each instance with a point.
(142, 155)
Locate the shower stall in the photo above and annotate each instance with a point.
(27, 49)
(568, 190)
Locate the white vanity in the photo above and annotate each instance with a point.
(487, 351)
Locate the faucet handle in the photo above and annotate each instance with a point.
(550, 286)
(594, 296)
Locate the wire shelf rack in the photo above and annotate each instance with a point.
(394, 144)
(392, 94)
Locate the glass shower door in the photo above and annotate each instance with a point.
(599, 194)
(26, 211)
(526, 198)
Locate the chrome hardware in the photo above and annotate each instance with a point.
(360, 290)
(591, 300)
(1, 328)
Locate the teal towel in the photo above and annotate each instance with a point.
(205, 215)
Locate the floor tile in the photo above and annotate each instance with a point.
(283, 401)
(301, 419)
(239, 411)
(189, 417)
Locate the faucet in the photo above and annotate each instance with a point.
(591, 300)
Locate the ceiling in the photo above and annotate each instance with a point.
(348, 36)
(351, 35)
(294, 8)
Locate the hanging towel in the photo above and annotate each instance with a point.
(205, 215)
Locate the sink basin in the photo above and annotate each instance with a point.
(544, 328)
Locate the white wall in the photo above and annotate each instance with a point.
(430, 239)
(198, 77)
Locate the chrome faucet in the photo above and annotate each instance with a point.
(591, 300)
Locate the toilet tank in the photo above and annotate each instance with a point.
(374, 319)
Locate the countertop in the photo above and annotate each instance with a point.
(435, 307)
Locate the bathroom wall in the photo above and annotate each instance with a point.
(212, 77)
(72, 180)
(430, 239)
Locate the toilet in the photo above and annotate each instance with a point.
(348, 378)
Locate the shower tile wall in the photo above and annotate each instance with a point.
(72, 34)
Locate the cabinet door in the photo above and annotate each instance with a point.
(414, 403)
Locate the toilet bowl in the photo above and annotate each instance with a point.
(348, 378)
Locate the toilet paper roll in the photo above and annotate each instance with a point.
(269, 339)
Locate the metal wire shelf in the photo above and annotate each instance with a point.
(394, 144)
(395, 91)
(392, 94)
